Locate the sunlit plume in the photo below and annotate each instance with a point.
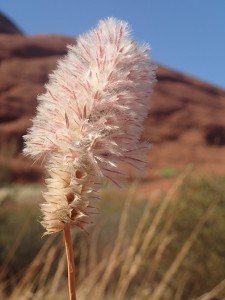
(90, 120)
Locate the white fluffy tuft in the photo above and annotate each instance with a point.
(90, 120)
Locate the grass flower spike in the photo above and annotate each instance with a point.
(89, 121)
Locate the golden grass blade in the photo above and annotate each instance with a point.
(161, 287)
(32, 273)
(12, 250)
(57, 277)
(124, 280)
(180, 287)
(113, 259)
(214, 292)
(88, 285)
(50, 257)
(149, 236)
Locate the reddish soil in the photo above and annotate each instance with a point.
(186, 124)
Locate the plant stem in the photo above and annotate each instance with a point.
(70, 262)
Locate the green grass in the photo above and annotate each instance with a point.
(169, 172)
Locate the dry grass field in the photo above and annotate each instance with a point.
(137, 249)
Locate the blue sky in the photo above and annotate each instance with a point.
(188, 36)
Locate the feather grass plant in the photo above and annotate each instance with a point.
(89, 123)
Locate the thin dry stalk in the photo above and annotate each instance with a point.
(162, 242)
(180, 287)
(90, 282)
(162, 246)
(88, 289)
(214, 292)
(154, 267)
(129, 258)
(88, 256)
(83, 258)
(32, 270)
(137, 261)
(12, 251)
(161, 211)
(113, 259)
(40, 282)
(57, 277)
(94, 239)
(70, 262)
(47, 267)
(161, 287)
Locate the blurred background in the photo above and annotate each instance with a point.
(167, 225)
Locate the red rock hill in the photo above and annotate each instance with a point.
(186, 123)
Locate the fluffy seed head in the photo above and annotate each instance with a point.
(89, 121)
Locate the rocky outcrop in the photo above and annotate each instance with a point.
(7, 27)
(186, 123)
(25, 63)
